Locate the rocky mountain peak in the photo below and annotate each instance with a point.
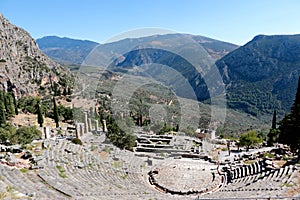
(23, 67)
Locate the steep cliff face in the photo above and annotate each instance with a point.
(23, 67)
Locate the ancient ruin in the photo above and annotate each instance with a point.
(161, 166)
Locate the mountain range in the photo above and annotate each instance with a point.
(191, 56)
(65, 50)
(259, 76)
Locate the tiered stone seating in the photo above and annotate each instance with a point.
(246, 170)
(3, 184)
(95, 178)
(260, 183)
(27, 184)
(121, 175)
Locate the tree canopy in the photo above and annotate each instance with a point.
(120, 134)
(289, 126)
(249, 139)
(9, 135)
(7, 106)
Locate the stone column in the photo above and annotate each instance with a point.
(85, 122)
(47, 132)
(89, 125)
(81, 129)
(76, 127)
(104, 125)
(77, 132)
(96, 125)
(213, 135)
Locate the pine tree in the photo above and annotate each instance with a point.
(2, 109)
(55, 111)
(290, 124)
(40, 115)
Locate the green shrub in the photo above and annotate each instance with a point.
(61, 171)
(77, 141)
(286, 157)
(120, 137)
(23, 170)
(26, 135)
(9, 135)
(269, 155)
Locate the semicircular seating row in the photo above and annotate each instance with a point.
(256, 180)
(76, 171)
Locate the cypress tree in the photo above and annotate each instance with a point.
(55, 111)
(56, 90)
(65, 91)
(69, 92)
(15, 103)
(290, 124)
(274, 132)
(274, 120)
(5, 102)
(40, 115)
(2, 109)
(295, 110)
(9, 104)
(140, 112)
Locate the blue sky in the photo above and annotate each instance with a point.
(236, 21)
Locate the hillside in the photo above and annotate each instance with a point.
(65, 50)
(182, 62)
(262, 75)
(23, 67)
(161, 103)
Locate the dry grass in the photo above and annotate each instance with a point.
(103, 155)
(31, 120)
(295, 189)
(279, 163)
(85, 104)
(214, 153)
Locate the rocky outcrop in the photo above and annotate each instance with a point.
(23, 67)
